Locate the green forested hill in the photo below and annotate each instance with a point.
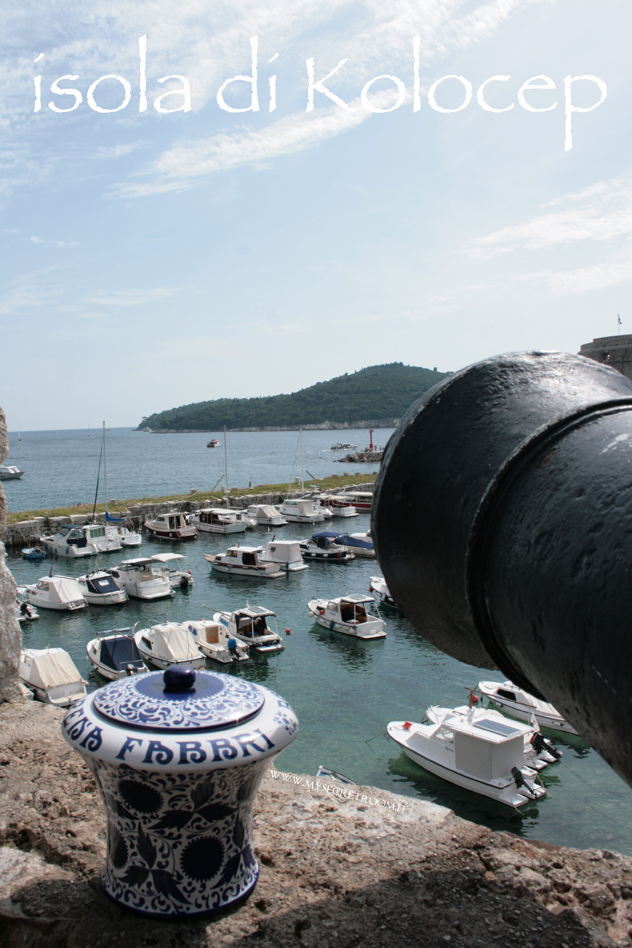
(378, 393)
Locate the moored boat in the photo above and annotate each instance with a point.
(114, 654)
(359, 499)
(265, 515)
(213, 443)
(9, 472)
(250, 627)
(25, 611)
(99, 588)
(178, 578)
(70, 541)
(59, 593)
(244, 561)
(381, 590)
(520, 704)
(217, 520)
(33, 553)
(52, 676)
(142, 578)
(480, 751)
(323, 548)
(168, 644)
(302, 511)
(285, 553)
(171, 526)
(349, 615)
(215, 642)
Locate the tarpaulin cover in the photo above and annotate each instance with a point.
(48, 668)
(119, 652)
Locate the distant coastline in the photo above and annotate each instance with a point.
(321, 426)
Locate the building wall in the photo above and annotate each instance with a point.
(615, 351)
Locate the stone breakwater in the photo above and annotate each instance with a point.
(23, 532)
(340, 865)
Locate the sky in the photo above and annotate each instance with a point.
(151, 259)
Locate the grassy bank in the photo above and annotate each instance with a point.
(325, 483)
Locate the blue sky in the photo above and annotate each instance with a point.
(151, 260)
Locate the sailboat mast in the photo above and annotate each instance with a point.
(105, 471)
(302, 470)
(226, 466)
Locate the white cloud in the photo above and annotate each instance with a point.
(583, 279)
(128, 297)
(605, 213)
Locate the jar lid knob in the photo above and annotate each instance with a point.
(179, 678)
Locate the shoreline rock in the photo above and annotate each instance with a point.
(334, 870)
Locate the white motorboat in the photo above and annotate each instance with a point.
(71, 541)
(59, 593)
(213, 443)
(342, 446)
(25, 612)
(99, 588)
(214, 641)
(143, 578)
(178, 578)
(169, 644)
(217, 520)
(324, 549)
(242, 516)
(538, 752)
(9, 472)
(265, 515)
(285, 553)
(249, 626)
(360, 543)
(480, 751)
(100, 536)
(348, 614)
(302, 511)
(381, 590)
(115, 654)
(244, 561)
(520, 704)
(52, 676)
(117, 530)
(171, 526)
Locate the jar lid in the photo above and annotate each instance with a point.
(180, 699)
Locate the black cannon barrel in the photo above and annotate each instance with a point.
(502, 521)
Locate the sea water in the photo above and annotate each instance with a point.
(344, 691)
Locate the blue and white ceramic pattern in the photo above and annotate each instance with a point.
(179, 786)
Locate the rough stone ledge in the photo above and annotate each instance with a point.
(336, 869)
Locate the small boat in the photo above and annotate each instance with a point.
(119, 531)
(171, 526)
(52, 676)
(168, 644)
(285, 553)
(213, 443)
(115, 655)
(302, 511)
(242, 516)
(71, 541)
(480, 751)
(520, 704)
(323, 548)
(342, 446)
(379, 587)
(359, 499)
(9, 472)
(348, 614)
(25, 611)
(342, 507)
(142, 578)
(217, 520)
(59, 593)
(359, 543)
(244, 561)
(33, 553)
(265, 515)
(99, 588)
(214, 641)
(104, 539)
(249, 626)
(178, 578)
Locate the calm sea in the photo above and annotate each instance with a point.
(344, 692)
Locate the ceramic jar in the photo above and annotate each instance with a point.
(178, 757)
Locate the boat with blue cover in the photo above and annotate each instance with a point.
(114, 654)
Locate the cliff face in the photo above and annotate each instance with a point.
(353, 867)
(10, 633)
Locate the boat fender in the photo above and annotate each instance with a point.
(331, 625)
(288, 631)
(232, 645)
(129, 669)
(321, 612)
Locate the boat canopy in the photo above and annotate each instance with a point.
(351, 541)
(101, 583)
(61, 588)
(50, 667)
(119, 652)
(172, 643)
(322, 541)
(255, 612)
(167, 557)
(355, 600)
(138, 561)
(110, 519)
(329, 534)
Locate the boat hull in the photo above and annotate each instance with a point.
(355, 631)
(184, 534)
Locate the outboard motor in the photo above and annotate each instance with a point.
(232, 645)
(502, 520)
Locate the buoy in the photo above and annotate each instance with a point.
(288, 632)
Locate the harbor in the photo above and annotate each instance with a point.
(325, 675)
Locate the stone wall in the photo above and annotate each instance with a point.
(10, 633)
(615, 351)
